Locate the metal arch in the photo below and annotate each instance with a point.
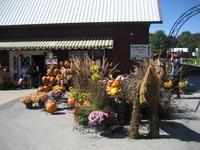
(183, 18)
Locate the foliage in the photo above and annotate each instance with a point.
(158, 41)
(88, 80)
(82, 115)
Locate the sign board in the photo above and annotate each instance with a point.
(51, 61)
(139, 51)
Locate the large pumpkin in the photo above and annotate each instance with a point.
(51, 107)
(71, 101)
(56, 71)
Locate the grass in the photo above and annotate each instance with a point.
(191, 61)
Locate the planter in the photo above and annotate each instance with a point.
(29, 105)
(99, 128)
(41, 104)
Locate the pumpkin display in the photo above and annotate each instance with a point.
(51, 107)
(50, 71)
(56, 71)
(71, 101)
(86, 103)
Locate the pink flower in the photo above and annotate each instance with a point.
(97, 118)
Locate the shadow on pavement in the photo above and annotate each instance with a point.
(179, 131)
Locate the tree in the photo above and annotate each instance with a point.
(184, 39)
(158, 41)
(172, 41)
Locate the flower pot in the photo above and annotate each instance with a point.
(41, 104)
(99, 128)
(29, 105)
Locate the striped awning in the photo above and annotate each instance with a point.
(66, 43)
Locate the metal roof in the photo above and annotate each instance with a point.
(67, 43)
(31, 12)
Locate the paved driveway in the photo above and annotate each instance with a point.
(22, 129)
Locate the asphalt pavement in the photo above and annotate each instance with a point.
(22, 129)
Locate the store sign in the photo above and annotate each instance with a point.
(139, 51)
(51, 61)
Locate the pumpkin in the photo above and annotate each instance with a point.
(40, 89)
(46, 89)
(51, 107)
(48, 78)
(52, 79)
(56, 71)
(86, 103)
(71, 101)
(50, 71)
(44, 79)
(61, 63)
(116, 84)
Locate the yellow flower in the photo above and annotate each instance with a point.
(95, 76)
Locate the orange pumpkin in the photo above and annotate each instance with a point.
(50, 71)
(44, 79)
(56, 71)
(52, 79)
(51, 107)
(86, 103)
(48, 78)
(40, 89)
(46, 89)
(71, 101)
(116, 84)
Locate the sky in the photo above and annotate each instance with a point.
(171, 10)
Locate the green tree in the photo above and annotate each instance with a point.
(158, 41)
(184, 39)
(172, 41)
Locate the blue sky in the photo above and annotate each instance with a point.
(171, 10)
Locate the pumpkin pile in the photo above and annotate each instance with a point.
(59, 76)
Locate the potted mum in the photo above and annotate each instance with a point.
(97, 119)
(27, 100)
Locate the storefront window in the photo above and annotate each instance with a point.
(78, 54)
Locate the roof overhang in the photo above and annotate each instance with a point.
(72, 43)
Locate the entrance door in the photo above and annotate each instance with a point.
(40, 62)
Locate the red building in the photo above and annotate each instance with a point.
(114, 29)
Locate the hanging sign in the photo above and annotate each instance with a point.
(139, 51)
